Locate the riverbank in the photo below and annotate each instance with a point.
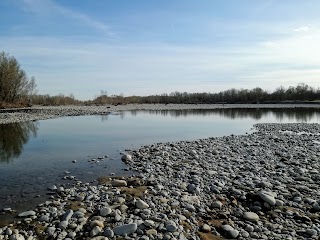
(264, 185)
(48, 112)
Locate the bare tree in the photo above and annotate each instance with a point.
(15, 86)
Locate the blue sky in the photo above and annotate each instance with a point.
(151, 47)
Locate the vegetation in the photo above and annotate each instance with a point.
(15, 86)
(57, 100)
(300, 93)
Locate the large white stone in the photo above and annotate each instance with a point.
(267, 197)
(27, 214)
(141, 204)
(251, 216)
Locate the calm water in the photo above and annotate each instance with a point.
(35, 155)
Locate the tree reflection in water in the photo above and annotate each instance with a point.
(297, 114)
(13, 137)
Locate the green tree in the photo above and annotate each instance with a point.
(15, 86)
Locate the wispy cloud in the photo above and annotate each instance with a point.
(50, 6)
(302, 29)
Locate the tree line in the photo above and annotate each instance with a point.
(17, 89)
(300, 93)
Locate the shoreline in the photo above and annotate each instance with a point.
(263, 185)
(49, 112)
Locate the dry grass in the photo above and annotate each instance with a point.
(208, 236)
(135, 192)
(12, 105)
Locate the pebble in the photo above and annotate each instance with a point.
(141, 204)
(267, 197)
(217, 204)
(251, 216)
(119, 183)
(125, 229)
(27, 214)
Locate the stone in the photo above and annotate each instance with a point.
(95, 231)
(171, 226)
(63, 224)
(234, 233)
(50, 231)
(119, 183)
(230, 231)
(52, 188)
(206, 228)
(108, 233)
(17, 237)
(67, 216)
(44, 218)
(311, 232)
(125, 229)
(72, 235)
(251, 216)
(191, 188)
(152, 232)
(99, 238)
(8, 231)
(27, 214)
(126, 157)
(316, 206)
(141, 204)
(267, 197)
(216, 204)
(148, 223)
(97, 223)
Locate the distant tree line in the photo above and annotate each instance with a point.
(57, 100)
(300, 93)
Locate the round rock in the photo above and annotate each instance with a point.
(251, 216)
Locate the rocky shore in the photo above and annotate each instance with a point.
(264, 185)
(47, 112)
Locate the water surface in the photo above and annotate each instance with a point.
(35, 155)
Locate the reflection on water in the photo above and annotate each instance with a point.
(296, 114)
(13, 137)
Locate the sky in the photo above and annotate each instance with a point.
(153, 47)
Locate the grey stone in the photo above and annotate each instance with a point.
(125, 229)
(27, 214)
(267, 197)
(251, 216)
(141, 204)
(63, 224)
(108, 233)
(95, 231)
(67, 216)
(17, 237)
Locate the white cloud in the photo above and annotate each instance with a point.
(302, 29)
(49, 6)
